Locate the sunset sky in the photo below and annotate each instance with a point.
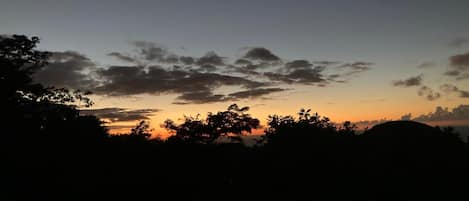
(348, 60)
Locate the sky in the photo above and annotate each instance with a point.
(363, 61)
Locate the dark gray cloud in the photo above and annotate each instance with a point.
(210, 58)
(452, 73)
(449, 88)
(243, 62)
(460, 112)
(345, 71)
(206, 96)
(187, 60)
(409, 82)
(298, 64)
(428, 93)
(261, 54)
(150, 51)
(459, 66)
(356, 67)
(299, 76)
(460, 61)
(120, 114)
(245, 70)
(155, 70)
(458, 42)
(132, 80)
(67, 69)
(122, 57)
(426, 65)
(200, 97)
(326, 63)
(255, 93)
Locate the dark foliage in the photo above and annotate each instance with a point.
(232, 123)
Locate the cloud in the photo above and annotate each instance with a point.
(326, 63)
(426, 65)
(355, 67)
(299, 76)
(261, 54)
(458, 66)
(458, 42)
(192, 85)
(150, 51)
(122, 57)
(298, 64)
(206, 96)
(409, 82)
(460, 112)
(120, 114)
(347, 70)
(200, 97)
(255, 93)
(452, 73)
(460, 61)
(242, 62)
(407, 116)
(428, 93)
(449, 88)
(210, 58)
(66, 69)
(153, 69)
(187, 60)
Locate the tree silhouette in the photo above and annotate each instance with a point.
(41, 111)
(232, 123)
(283, 129)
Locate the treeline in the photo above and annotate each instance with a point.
(51, 152)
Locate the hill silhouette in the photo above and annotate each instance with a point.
(51, 152)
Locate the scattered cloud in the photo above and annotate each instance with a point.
(120, 114)
(459, 66)
(409, 82)
(298, 64)
(200, 97)
(131, 80)
(122, 57)
(428, 93)
(153, 69)
(452, 73)
(449, 88)
(187, 60)
(460, 61)
(299, 76)
(426, 65)
(210, 58)
(326, 63)
(261, 54)
(355, 67)
(255, 93)
(68, 69)
(460, 112)
(243, 62)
